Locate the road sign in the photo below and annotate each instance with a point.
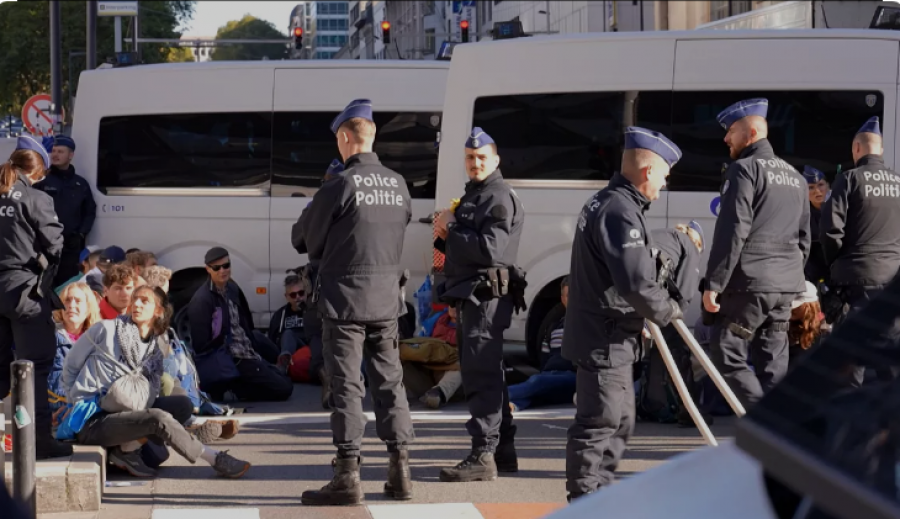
(36, 115)
(120, 8)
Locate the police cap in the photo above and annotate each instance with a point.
(642, 138)
(734, 113)
(361, 108)
(478, 139)
(335, 167)
(215, 254)
(28, 142)
(871, 126)
(63, 140)
(693, 224)
(812, 175)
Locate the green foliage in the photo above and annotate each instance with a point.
(180, 55)
(25, 38)
(249, 28)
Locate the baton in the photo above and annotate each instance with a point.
(711, 370)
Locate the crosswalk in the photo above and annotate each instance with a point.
(386, 511)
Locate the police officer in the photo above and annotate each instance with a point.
(613, 288)
(30, 245)
(481, 243)
(759, 248)
(354, 230)
(860, 229)
(816, 269)
(73, 201)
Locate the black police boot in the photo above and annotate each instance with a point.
(478, 466)
(325, 377)
(399, 484)
(344, 488)
(505, 456)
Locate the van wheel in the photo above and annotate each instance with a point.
(182, 326)
(540, 310)
(553, 316)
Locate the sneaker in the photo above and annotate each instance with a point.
(433, 398)
(228, 466)
(131, 462)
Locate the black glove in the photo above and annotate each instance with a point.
(519, 304)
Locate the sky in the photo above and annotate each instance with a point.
(209, 15)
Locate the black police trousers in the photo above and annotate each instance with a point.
(27, 325)
(854, 299)
(69, 266)
(604, 421)
(345, 345)
(480, 344)
(764, 317)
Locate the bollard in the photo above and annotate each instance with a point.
(23, 435)
(3, 440)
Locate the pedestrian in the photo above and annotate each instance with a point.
(860, 229)
(480, 239)
(760, 245)
(354, 230)
(613, 288)
(73, 201)
(29, 256)
(816, 269)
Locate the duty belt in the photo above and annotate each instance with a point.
(747, 334)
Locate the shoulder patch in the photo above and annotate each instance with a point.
(499, 212)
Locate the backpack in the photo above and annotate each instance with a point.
(657, 399)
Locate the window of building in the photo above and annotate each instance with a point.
(185, 150)
(429, 41)
(327, 24)
(324, 54)
(331, 7)
(569, 136)
(331, 40)
(304, 146)
(718, 9)
(354, 13)
(812, 128)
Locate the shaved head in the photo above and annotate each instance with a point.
(745, 132)
(646, 170)
(867, 143)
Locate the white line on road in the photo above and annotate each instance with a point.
(200, 513)
(417, 416)
(431, 511)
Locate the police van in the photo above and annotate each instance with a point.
(184, 157)
(557, 105)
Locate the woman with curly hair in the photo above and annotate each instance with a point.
(806, 324)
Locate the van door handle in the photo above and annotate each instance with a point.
(428, 219)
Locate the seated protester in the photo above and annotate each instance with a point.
(113, 349)
(108, 257)
(87, 260)
(140, 260)
(118, 284)
(80, 312)
(220, 318)
(431, 368)
(286, 327)
(555, 384)
(806, 325)
(158, 276)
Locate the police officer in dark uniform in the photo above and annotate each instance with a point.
(760, 246)
(860, 229)
(816, 268)
(354, 230)
(481, 244)
(613, 288)
(30, 245)
(73, 201)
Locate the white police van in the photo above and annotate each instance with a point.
(184, 157)
(557, 105)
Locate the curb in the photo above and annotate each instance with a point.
(70, 484)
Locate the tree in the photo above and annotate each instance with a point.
(180, 55)
(25, 38)
(249, 28)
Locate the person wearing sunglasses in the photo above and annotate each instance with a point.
(220, 318)
(286, 327)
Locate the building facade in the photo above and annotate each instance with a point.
(326, 27)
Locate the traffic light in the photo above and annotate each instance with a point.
(298, 37)
(386, 32)
(464, 30)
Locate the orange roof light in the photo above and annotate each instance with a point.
(298, 31)
(385, 25)
(464, 24)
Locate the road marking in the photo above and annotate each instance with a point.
(431, 511)
(208, 513)
(417, 416)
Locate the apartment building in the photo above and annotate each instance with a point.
(326, 27)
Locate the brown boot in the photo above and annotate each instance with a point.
(399, 484)
(344, 488)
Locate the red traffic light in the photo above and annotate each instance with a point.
(385, 25)
(298, 31)
(464, 24)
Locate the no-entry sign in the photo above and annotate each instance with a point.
(36, 114)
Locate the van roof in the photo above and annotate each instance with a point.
(273, 64)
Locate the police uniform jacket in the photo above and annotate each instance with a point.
(486, 234)
(354, 229)
(72, 199)
(860, 228)
(685, 258)
(816, 266)
(762, 239)
(613, 279)
(29, 229)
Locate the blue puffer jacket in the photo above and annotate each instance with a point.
(55, 390)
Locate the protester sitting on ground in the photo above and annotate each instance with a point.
(807, 324)
(431, 366)
(286, 326)
(80, 312)
(140, 260)
(108, 257)
(111, 350)
(555, 384)
(88, 260)
(118, 285)
(222, 332)
(158, 276)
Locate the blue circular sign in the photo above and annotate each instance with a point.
(714, 205)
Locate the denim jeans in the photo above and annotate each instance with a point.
(544, 388)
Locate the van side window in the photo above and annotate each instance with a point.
(813, 128)
(185, 150)
(567, 136)
(304, 147)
